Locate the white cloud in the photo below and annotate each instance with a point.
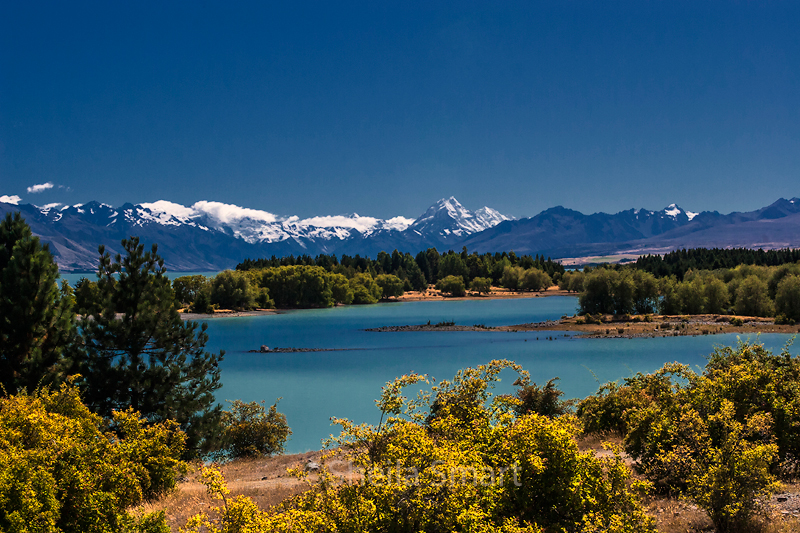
(33, 189)
(10, 199)
(178, 211)
(229, 213)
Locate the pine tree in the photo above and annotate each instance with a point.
(37, 322)
(140, 353)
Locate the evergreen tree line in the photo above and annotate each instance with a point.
(432, 265)
(679, 262)
(764, 291)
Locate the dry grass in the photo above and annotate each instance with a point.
(266, 482)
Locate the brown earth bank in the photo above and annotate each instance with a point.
(637, 326)
(266, 481)
(496, 293)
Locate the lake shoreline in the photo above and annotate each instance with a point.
(497, 293)
(618, 327)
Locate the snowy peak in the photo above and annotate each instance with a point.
(447, 218)
(675, 212)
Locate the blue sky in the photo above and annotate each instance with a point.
(381, 108)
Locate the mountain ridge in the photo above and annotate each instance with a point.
(214, 236)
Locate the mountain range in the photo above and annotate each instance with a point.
(210, 236)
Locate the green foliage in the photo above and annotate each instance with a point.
(545, 401)
(471, 465)
(86, 295)
(59, 472)
(188, 288)
(298, 286)
(251, 431)
(453, 285)
(752, 298)
(719, 437)
(391, 286)
(510, 277)
(451, 264)
(148, 358)
(481, 285)
(232, 290)
(533, 279)
(37, 322)
(787, 298)
(571, 281)
(365, 289)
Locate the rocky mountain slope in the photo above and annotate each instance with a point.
(214, 236)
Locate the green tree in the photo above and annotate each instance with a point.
(510, 277)
(598, 292)
(37, 322)
(365, 290)
(187, 288)
(453, 285)
(752, 297)
(692, 294)
(451, 264)
(391, 286)
(86, 296)
(251, 431)
(341, 290)
(671, 302)
(481, 285)
(232, 290)
(148, 358)
(716, 295)
(787, 298)
(534, 279)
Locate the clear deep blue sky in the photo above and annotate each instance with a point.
(381, 108)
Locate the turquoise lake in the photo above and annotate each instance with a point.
(315, 386)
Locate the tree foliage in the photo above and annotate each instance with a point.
(37, 322)
(251, 431)
(147, 358)
(452, 285)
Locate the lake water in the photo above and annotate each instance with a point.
(318, 385)
(74, 277)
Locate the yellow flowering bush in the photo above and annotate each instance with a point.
(718, 438)
(61, 472)
(456, 458)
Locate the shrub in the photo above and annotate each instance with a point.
(391, 286)
(453, 285)
(458, 459)
(481, 285)
(250, 431)
(59, 471)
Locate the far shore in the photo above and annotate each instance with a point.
(497, 293)
(614, 327)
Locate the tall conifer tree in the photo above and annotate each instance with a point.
(37, 321)
(139, 352)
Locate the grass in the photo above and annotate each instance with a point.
(266, 482)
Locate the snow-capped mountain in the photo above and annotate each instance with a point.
(449, 220)
(213, 236)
